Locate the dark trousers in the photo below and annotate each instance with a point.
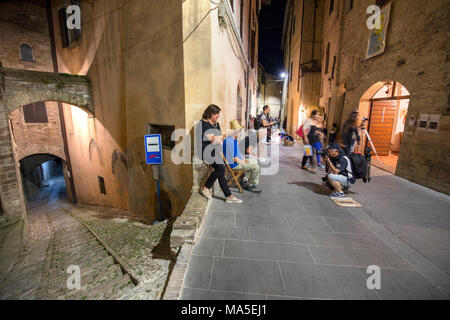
(305, 160)
(218, 173)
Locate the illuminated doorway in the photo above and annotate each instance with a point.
(385, 105)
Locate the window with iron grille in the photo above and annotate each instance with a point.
(165, 132)
(35, 113)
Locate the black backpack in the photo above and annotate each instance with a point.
(257, 123)
(360, 166)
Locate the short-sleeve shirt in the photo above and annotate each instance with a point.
(262, 119)
(231, 150)
(208, 128)
(341, 164)
(307, 125)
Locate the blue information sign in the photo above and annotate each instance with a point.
(153, 149)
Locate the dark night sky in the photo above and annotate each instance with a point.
(270, 33)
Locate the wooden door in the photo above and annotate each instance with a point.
(382, 120)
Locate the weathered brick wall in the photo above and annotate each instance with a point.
(20, 22)
(416, 56)
(329, 95)
(10, 186)
(38, 138)
(24, 22)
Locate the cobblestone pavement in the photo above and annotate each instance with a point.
(292, 242)
(58, 238)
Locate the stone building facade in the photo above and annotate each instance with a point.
(25, 44)
(410, 77)
(151, 66)
(269, 93)
(302, 45)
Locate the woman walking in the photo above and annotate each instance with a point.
(350, 133)
(211, 134)
(316, 137)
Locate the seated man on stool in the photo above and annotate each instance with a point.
(238, 162)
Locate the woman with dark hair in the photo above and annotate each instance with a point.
(211, 134)
(350, 132)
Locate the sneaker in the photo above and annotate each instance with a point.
(254, 189)
(337, 195)
(206, 193)
(233, 200)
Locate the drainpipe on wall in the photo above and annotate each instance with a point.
(60, 106)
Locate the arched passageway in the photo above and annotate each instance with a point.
(43, 179)
(385, 106)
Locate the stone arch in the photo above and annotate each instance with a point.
(24, 87)
(41, 150)
(369, 93)
(387, 135)
(41, 157)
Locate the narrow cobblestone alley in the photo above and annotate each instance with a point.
(58, 239)
(292, 242)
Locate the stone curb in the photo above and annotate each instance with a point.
(185, 234)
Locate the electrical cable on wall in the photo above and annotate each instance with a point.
(201, 21)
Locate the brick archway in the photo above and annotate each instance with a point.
(17, 89)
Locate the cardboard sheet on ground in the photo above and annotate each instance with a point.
(347, 202)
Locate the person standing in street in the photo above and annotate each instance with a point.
(350, 133)
(333, 134)
(311, 121)
(212, 135)
(316, 138)
(262, 132)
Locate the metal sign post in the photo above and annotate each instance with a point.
(154, 157)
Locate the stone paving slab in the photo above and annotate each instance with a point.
(293, 242)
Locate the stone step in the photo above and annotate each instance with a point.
(74, 241)
(106, 286)
(113, 291)
(76, 255)
(83, 262)
(87, 274)
(87, 285)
